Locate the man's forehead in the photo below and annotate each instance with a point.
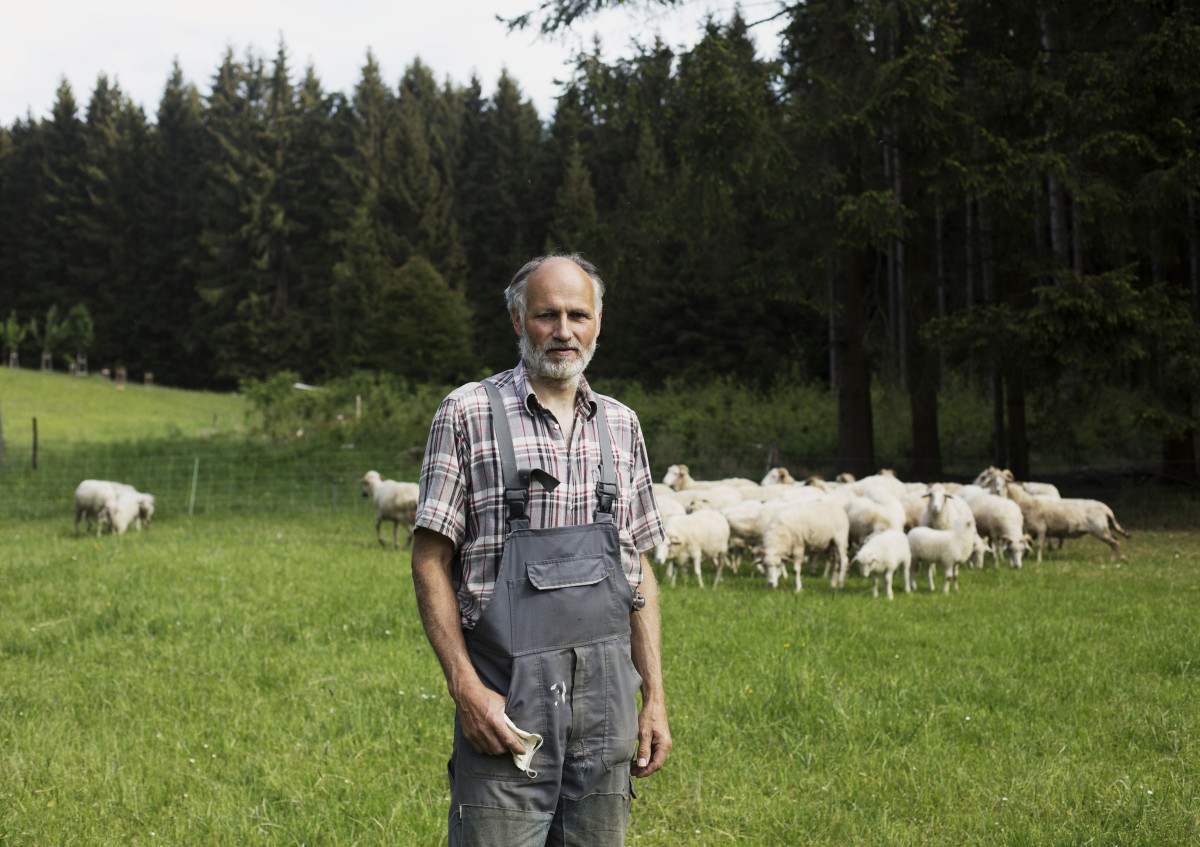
(560, 276)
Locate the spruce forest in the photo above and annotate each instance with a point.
(1001, 191)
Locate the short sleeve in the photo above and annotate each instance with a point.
(645, 523)
(441, 504)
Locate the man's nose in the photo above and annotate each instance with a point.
(562, 327)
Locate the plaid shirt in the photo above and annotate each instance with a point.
(462, 485)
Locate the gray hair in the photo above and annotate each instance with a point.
(514, 295)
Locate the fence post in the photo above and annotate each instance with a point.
(35, 443)
(195, 476)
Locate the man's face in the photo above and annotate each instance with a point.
(558, 335)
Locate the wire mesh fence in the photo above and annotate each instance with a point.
(217, 478)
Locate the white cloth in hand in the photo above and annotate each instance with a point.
(532, 742)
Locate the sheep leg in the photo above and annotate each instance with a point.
(696, 567)
(1041, 541)
(395, 535)
(887, 582)
(671, 571)
(932, 568)
(798, 564)
(906, 572)
(378, 534)
(409, 531)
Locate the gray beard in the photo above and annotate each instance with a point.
(539, 365)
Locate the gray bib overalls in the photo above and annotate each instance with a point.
(554, 640)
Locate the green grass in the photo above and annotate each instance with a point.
(263, 678)
(75, 410)
(257, 673)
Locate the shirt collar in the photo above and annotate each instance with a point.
(584, 396)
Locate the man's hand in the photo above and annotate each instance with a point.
(481, 716)
(654, 740)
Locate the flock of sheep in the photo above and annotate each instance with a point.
(890, 525)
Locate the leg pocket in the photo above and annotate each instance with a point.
(621, 716)
(486, 826)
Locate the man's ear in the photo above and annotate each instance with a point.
(516, 321)
(599, 315)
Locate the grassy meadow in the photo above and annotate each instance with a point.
(257, 674)
(84, 410)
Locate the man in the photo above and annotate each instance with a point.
(540, 603)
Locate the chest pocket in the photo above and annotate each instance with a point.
(562, 602)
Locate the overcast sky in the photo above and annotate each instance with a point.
(135, 41)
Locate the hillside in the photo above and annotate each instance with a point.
(73, 410)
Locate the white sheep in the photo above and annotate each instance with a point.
(695, 536)
(945, 510)
(886, 478)
(812, 526)
(999, 520)
(914, 506)
(718, 497)
(669, 507)
(93, 495)
(993, 478)
(884, 554)
(947, 547)
(778, 476)
(119, 514)
(680, 479)
(874, 513)
(394, 501)
(1066, 518)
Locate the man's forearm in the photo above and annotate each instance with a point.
(654, 734)
(480, 710)
(438, 606)
(646, 639)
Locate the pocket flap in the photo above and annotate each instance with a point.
(566, 573)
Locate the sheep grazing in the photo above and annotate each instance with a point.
(92, 496)
(695, 536)
(394, 501)
(947, 547)
(811, 526)
(999, 520)
(1066, 518)
(126, 509)
(96, 496)
(882, 555)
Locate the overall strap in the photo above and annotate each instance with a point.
(606, 488)
(516, 480)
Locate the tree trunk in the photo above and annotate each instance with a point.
(923, 405)
(1018, 441)
(856, 432)
(1193, 257)
(940, 247)
(898, 250)
(999, 437)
